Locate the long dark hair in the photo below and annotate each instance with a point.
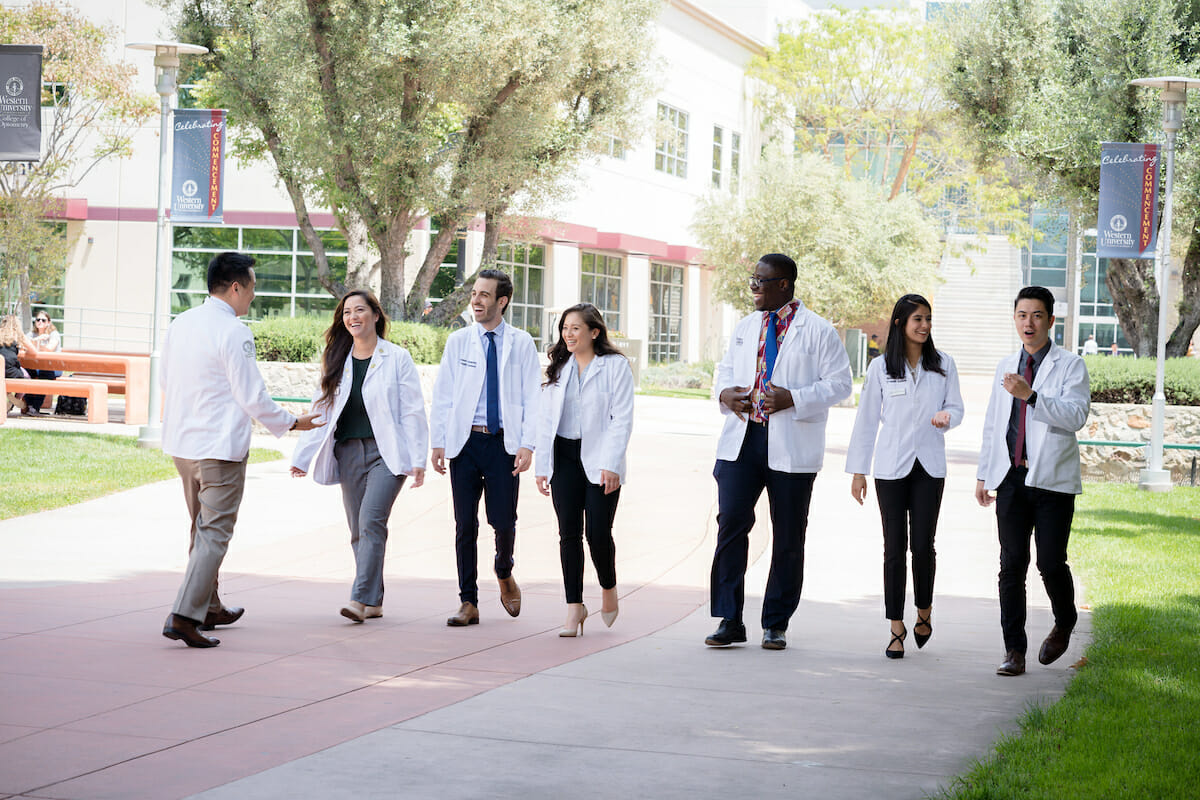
(893, 353)
(559, 354)
(338, 342)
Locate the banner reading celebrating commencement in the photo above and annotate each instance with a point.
(1128, 226)
(20, 102)
(198, 172)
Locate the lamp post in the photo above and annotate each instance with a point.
(1174, 97)
(166, 61)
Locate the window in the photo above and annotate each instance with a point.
(735, 160)
(616, 148)
(718, 146)
(600, 285)
(666, 312)
(670, 153)
(1047, 262)
(526, 265)
(285, 269)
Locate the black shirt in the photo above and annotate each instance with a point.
(353, 422)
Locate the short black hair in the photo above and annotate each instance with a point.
(781, 263)
(228, 268)
(504, 284)
(1040, 293)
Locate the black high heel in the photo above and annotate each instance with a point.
(896, 637)
(922, 638)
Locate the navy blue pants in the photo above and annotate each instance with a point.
(484, 468)
(739, 485)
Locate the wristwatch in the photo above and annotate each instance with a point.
(1032, 399)
(293, 426)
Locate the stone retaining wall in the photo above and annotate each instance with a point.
(1119, 422)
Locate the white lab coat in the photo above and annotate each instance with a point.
(893, 422)
(1064, 397)
(212, 387)
(606, 418)
(460, 380)
(391, 393)
(812, 364)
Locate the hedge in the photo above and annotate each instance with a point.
(1123, 379)
(302, 339)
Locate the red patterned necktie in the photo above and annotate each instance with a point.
(1019, 447)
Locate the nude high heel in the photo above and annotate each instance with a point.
(574, 626)
(610, 617)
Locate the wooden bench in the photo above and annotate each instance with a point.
(95, 392)
(120, 373)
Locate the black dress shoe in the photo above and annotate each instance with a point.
(1054, 646)
(922, 622)
(226, 616)
(1014, 664)
(730, 631)
(187, 631)
(774, 639)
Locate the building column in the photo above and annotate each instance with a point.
(562, 287)
(692, 315)
(636, 310)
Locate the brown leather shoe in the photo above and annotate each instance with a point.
(510, 595)
(226, 616)
(1014, 664)
(1054, 646)
(187, 631)
(468, 614)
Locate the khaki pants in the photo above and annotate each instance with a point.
(212, 490)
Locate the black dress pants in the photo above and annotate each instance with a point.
(483, 467)
(909, 507)
(582, 506)
(739, 485)
(1020, 511)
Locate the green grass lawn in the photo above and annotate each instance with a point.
(40, 470)
(1129, 724)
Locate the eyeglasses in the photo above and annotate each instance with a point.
(41, 320)
(756, 282)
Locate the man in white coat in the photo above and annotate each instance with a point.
(483, 420)
(212, 388)
(1030, 458)
(785, 367)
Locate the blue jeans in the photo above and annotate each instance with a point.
(368, 491)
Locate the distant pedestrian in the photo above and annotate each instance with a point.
(12, 341)
(212, 389)
(873, 347)
(784, 368)
(48, 340)
(1030, 458)
(1114, 350)
(910, 398)
(1090, 348)
(585, 420)
(371, 393)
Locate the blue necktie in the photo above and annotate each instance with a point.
(770, 347)
(493, 385)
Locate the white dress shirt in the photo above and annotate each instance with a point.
(893, 425)
(605, 418)
(1064, 397)
(481, 405)
(391, 393)
(460, 381)
(212, 387)
(812, 364)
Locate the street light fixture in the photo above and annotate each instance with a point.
(166, 61)
(1174, 97)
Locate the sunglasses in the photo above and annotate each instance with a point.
(41, 320)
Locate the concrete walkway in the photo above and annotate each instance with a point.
(297, 702)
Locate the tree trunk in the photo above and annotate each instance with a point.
(393, 251)
(453, 304)
(429, 267)
(1189, 298)
(1131, 283)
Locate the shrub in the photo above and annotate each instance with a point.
(302, 339)
(1131, 380)
(678, 375)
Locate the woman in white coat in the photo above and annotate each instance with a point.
(909, 400)
(585, 418)
(371, 392)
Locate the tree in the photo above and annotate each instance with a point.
(857, 251)
(90, 112)
(1045, 81)
(389, 112)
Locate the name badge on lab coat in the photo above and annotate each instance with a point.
(897, 388)
(466, 363)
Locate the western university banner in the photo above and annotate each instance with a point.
(1128, 225)
(21, 102)
(198, 171)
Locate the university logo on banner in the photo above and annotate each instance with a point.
(198, 171)
(1128, 224)
(20, 102)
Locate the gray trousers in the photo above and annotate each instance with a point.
(368, 491)
(212, 490)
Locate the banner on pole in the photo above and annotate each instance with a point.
(21, 102)
(1128, 225)
(198, 169)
